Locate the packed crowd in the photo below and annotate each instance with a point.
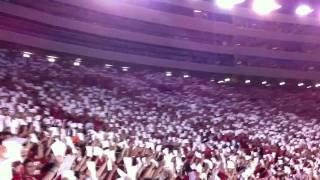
(88, 122)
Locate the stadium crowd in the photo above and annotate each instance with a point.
(88, 122)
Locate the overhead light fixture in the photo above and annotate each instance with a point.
(168, 73)
(108, 65)
(26, 54)
(303, 10)
(264, 7)
(228, 4)
(197, 11)
(227, 80)
(220, 82)
(282, 83)
(52, 58)
(317, 85)
(264, 82)
(300, 84)
(125, 68)
(247, 81)
(186, 76)
(76, 63)
(308, 87)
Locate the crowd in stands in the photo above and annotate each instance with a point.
(59, 121)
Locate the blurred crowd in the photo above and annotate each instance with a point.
(60, 121)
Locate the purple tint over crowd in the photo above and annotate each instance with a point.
(91, 123)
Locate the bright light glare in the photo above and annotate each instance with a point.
(303, 10)
(108, 65)
(301, 84)
(247, 81)
(168, 73)
(317, 85)
(264, 82)
(52, 58)
(186, 76)
(197, 11)
(264, 7)
(228, 4)
(26, 54)
(308, 87)
(77, 63)
(282, 83)
(227, 80)
(125, 68)
(220, 82)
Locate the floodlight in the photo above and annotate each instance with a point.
(228, 4)
(264, 7)
(303, 10)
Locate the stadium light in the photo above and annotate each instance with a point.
(76, 63)
(52, 58)
(282, 83)
(168, 73)
(227, 80)
(303, 10)
(26, 54)
(125, 68)
(264, 7)
(228, 4)
(108, 65)
(247, 81)
(300, 84)
(186, 76)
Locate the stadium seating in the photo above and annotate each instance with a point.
(88, 122)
